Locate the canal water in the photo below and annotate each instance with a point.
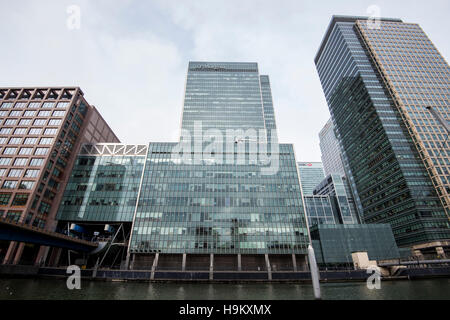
(55, 289)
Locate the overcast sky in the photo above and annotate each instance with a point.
(130, 57)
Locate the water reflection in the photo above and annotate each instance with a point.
(57, 290)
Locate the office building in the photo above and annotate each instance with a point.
(214, 200)
(311, 174)
(379, 77)
(40, 135)
(334, 244)
(320, 210)
(338, 189)
(330, 152)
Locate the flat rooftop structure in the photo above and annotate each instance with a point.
(338, 18)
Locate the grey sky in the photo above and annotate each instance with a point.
(130, 57)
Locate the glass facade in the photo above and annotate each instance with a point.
(102, 188)
(329, 148)
(311, 174)
(216, 208)
(334, 244)
(417, 77)
(223, 96)
(319, 210)
(338, 189)
(380, 156)
(208, 206)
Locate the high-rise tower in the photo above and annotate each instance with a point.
(379, 77)
(41, 132)
(226, 196)
(329, 148)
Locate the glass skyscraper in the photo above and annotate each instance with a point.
(329, 148)
(378, 80)
(225, 196)
(311, 174)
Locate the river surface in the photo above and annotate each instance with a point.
(56, 289)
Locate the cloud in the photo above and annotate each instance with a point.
(130, 57)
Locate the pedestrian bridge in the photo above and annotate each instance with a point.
(15, 231)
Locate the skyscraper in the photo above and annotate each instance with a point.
(329, 148)
(311, 174)
(221, 198)
(40, 135)
(379, 77)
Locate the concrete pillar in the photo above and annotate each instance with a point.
(183, 263)
(154, 266)
(42, 255)
(440, 252)
(94, 273)
(306, 263)
(54, 257)
(10, 253)
(133, 258)
(19, 252)
(211, 266)
(127, 261)
(269, 269)
(239, 262)
(294, 262)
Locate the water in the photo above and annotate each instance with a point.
(54, 289)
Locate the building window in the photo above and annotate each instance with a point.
(20, 105)
(6, 105)
(36, 162)
(10, 122)
(15, 141)
(58, 113)
(25, 122)
(14, 215)
(4, 198)
(24, 151)
(50, 131)
(29, 113)
(39, 122)
(44, 208)
(34, 105)
(9, 151)
(9, 184)
(15, 173)
(2, 172)
(44, 113)
(5, 130)
(31, 173)
(20, 162)
(20, 200)
(46, 141)
(48, 105)
(5, 161)
(40, 151)
(54, 122)
(35, 131)
(26, 185)
(30, 141)
(20, 131)
(62, 105)
(15, 113)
